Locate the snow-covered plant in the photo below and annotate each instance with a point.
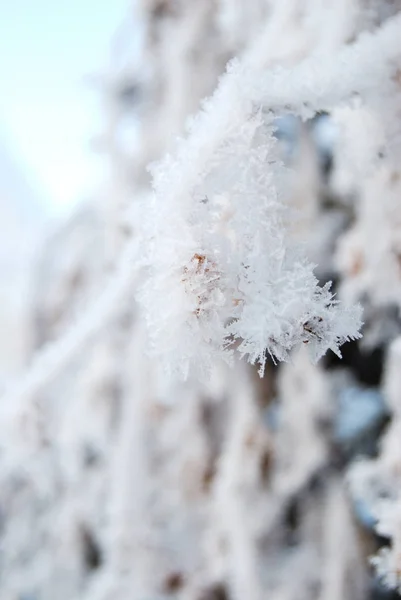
(221, 267)
(133, 487)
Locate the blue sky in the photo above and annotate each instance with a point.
(47, 112)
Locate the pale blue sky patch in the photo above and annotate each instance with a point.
(46, 49)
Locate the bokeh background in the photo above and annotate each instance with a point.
(115, 485)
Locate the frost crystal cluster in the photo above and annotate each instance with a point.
(221, 268)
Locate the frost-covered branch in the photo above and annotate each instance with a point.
(220, 265)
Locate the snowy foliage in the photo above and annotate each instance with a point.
(220, 267)
(137, 486)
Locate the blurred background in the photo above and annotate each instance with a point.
(49, 114)
(112, 485)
